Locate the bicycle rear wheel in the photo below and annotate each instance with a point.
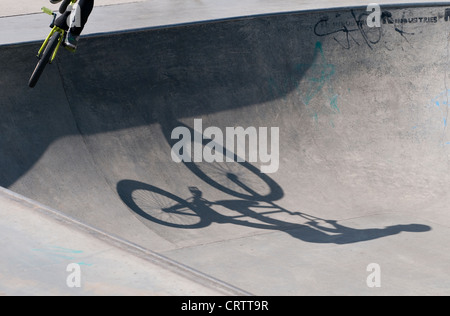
(159, 206)
(44, 60)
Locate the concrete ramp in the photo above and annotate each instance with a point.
(363, 170)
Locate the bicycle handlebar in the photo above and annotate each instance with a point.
(47, 10)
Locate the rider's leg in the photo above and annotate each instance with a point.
(84, 10)
(86, 7)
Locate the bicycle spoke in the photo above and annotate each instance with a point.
(164, 209)
(236, 177)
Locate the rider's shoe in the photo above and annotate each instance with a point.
(71, 40)
(55, 1)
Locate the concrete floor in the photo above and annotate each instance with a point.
(363, 148)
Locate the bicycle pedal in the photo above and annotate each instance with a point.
(70, 49)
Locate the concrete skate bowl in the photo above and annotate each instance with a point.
(362, 117)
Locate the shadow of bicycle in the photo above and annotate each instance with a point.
(159, 206)
(253, 200)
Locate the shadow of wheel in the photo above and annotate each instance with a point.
(159, 206)
(238, 178)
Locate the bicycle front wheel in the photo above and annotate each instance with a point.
(44, 60)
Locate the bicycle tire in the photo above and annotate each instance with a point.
(237, 179)
(64, 5)
(44, 60)
(159, 206)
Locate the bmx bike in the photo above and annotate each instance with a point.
(49, 49)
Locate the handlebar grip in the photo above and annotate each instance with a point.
(47, 10)
(64, 5)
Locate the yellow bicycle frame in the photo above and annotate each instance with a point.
(53, 31)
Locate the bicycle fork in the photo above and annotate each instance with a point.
(55, 29)
(44, 45)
